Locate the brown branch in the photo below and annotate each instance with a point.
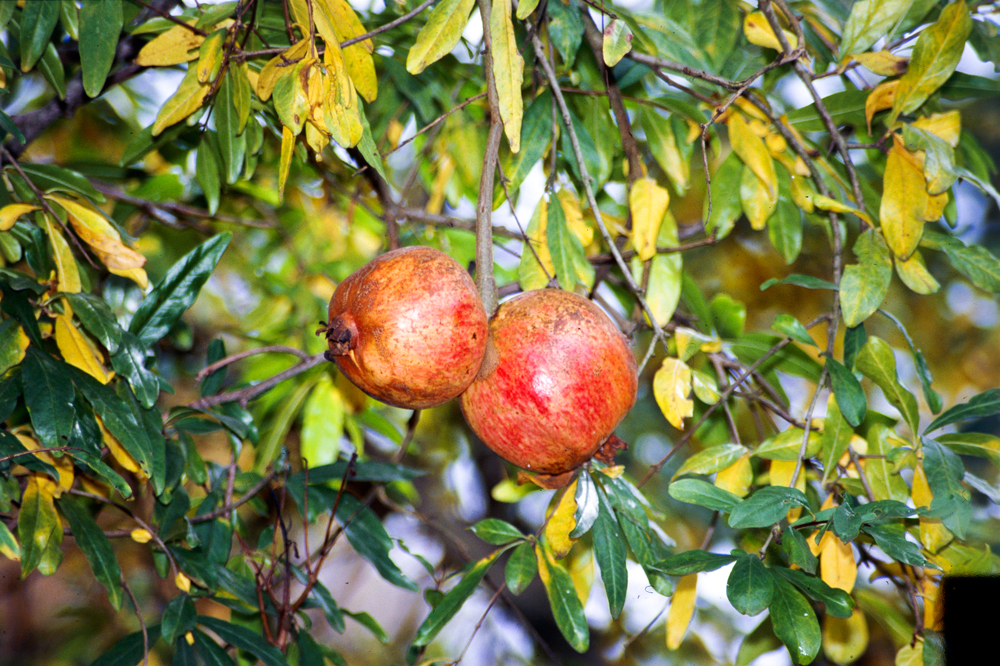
(388, 26)
(209, 369)
(248, 393)
(485, 280)
(153, 208)
(247, 496)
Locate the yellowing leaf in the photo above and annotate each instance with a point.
(672, 390)
(759, 32)
(802, 192)
(285, 161)
(562, 522)
(904, 201)
(781, 475)
(753, 152)
(173, 47)
(439, 35)
(880, 99)
(345, 21)
(508, 72)
(737, 477)
(882, 63)
(933, 534)
(277, 66)
(77, 350)
(67, 272)
(183, 582)
(120, 454)
(681, 609)
(140, 535)
(648, 203)
(189, 97)
(10, 213)
(758, 200)
(836, 562)
(137, 275)
(930, 590)
(92, 227)
(935, 206)
(947, 126)
(530, 273)
(911, 655)
(63, 465)
(341, 110)
(827, 203)
(914, 274)
(845, 639)
(574, 217)
(616, 43)
(210, 56)
(445, 170)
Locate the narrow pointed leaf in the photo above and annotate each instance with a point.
(795, 623)
(864, 285)
(95, 546)
(101, 24)
(439, 35)
(452, 602)
(609, 550)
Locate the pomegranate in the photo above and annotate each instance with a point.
(408, 328)
(557, 379)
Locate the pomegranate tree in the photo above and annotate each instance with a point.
(557, 379)
(408, 328)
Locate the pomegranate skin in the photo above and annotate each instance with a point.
(408, 328)
(557, 379)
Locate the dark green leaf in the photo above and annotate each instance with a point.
(521, 568)
(838, 602)
(791, 359)
(964, 86)
(693, 561)
(986, 403)
(244, 639)
(766, 507)
(101, 23)
(750, 587)
(97, 318)
(588, 505)
(177, 291)
(797, 550)
(53, 178)
(211, 653)
(565, 30)
(179, 617)
(855, 338)
(129, 651)
(48, 395)
(568, 259)
(847, 389)
(846, 522)
(38, 20)
(185, 655)
(207, 170)
(846, 108)
(784, 227)
(8, 125)
(702, 493)
(95, 546)
(975, 262)
(495, 531)
(16, 304)
(892, 540)
(835, 440)
(334, 616)
(453, 600)
(536, 134)
(609, 551)
(725, 203)
(563, 599)
(14, 452)
(807, 281)
(794, 622)
(368, 537)
(130, 362)
(232, 140)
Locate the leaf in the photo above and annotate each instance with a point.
(723, 207)
(758, 31)
(692, 562)
(129, 650)
(845, 107)
(750, 586)
(672, 390)
(758, 200)
(785, 446)
(838, 602)
(617, 42)
(975, 262)
(244, 639)
(10, 213)
(38, 20)
(177, 291)
(892, 541)
(101, 24)
(914, 274)
(53, 178)
(837, 433)
(668, 151)
(171, 47)
(95, 546)
(38, 527)
(663, 288)
(797, 550)
(439, 35)
(765, 507)
(563, 599)
(648, 204)
(806, 281)
(97, 318)
(92, 227)
(681, 610)
(883, 63)
(48, 397)
(869, 21)
(878, 363)
(609, 551)
(904, 200)
(508, 72)
(933, 399)
(231, 138)
(588, 505)
(452, 602)
(130, 362)
(568, 259)
(702, 493)
(77, 350)
(521, 567)
(565, 29)
(864, 285)
(497, 532)
(978, 444)
(848, 392)
(827, 203)
(753, 153)
(794, 622)
(188, 98)
(369, 539)
(784, 227)
(67, 271)
(792, 328)
(935, 55)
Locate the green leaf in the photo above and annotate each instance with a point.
(566, 30)
(865, 284)
(568, 259)
(983, 404)
(232, 139)
(702, 493)
(784, 227)
(38, 20)
(439, 35)
(369, 623)
(728, 315)
(95, 546)
(848, 392)
(663, 289)
(52, 70)
(845, 108)
(797, 550)
(944, 469)
(177, 291)
(766, 507)
(369, 539)
(885, 483)
(794, 622)
(869, 21)
(845, 522)
(130, 362)
(712, 459)
(207, 170)
(497, 532)
(961, 86)
(453, 601)
(892, 540)
(101, 23)
(566, 607)
(749, 588)
(8, 543)
(791, 327)
(129, 651)
(807, 281)
(334, 616)
(939, 160)
(933, 399)
(978, 444)
(976, 262)
(8, 125)
(787, 444)
(521, 567)
(536, 134)
(97, 318)
(49, 398)
(837, 433)
(244, 639)
(609, 551)
(179, 617)
(39, 530)
(693, 561)
(878, 363)
(723, 207)
(210, 652)
(791, 359)
(16, 304)
(588, 505)
(838, 602)
(52, 178)
(855, 338)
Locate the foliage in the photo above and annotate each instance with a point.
(142, 237)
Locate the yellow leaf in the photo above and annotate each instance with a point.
(930, 590)
(947, 126)
(77, 350)
(827, 203)
(759, 32)
(445, 170)
(63, 465)
(140, 535)
(337, 17)
(880, 99)
(837, 567)
(183, 582)
(681, 609)
(317, 138)
(914, 274)
(10, 213)
(672, 390)
(137, 275)
(440, 34)
(561, 522)
(121, 456)
(580, 565)
(189, 97)
(574, 217)
(737, 477)
(648, 203)
(781, 475)
(845, 639)
(759, 202)
(882, 63)
(277, 66)
(935, 206)
(287, 148)
(508, 72)
(341, 112)
(904, 201)
(753, 152)
(67, 271)
(911, 655)
(530, 273)
(94, 229)
(345, 21)
(803, 193)
(210, 56)
(171, 48)
(751, 109)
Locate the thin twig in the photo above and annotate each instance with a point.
(485, 279)
(209, 369)
(248, 393)
(388, 26)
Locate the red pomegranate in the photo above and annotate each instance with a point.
(557, 378)
(408, 328)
